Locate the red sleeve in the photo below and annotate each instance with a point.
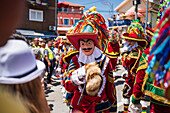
(137, 89)
(110, 89)
(69, 84)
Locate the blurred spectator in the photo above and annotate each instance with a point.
(36, 43)
(49, 61)
(21, 75)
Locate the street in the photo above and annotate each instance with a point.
(55, 98)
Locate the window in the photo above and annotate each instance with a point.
(76, 20)
(65, 9)
(60, 9)
(66, 21)
(35, 15)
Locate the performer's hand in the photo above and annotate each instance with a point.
(78, 76)
(59, 70)
(136, 108)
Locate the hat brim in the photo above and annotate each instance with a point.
(75, 37)
(141, 41)
(27, 78)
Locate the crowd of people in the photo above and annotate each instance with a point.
(85, 62)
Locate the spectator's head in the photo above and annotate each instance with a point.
(43, 45)
(21, 74)
(36, 41)
(10, 17)
(50, 44)
(41, 41)
(37, 53)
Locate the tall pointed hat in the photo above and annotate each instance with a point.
(92, 26)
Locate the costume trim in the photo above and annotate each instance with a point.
(135, 62)
(136, 39)
(82, 33)
(112, 55)
(135, 100)
(102, 106)
(104, 78)
(142, 67)
(151, 94)
(68, 55)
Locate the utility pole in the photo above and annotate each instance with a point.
(56, 14)
(146, 18)
(136, 2)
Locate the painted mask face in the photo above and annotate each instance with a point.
(87, 46)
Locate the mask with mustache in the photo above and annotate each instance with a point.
(86, 49)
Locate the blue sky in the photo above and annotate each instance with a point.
(103, 6)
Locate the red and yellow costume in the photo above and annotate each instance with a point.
(105, 100)
(131, 61)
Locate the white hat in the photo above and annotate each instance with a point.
(18, 64)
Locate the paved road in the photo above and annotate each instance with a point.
(55, 98)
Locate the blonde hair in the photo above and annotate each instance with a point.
(32, 94)
(8, 100)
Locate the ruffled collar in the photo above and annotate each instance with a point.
(96, 56)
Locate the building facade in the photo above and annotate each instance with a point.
(38, 19)
(127, 11)
(68, 15)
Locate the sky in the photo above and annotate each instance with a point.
(104, 7)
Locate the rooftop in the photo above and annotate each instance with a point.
(71, 4)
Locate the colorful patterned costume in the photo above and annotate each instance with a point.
(105, 100)
(130, 58)
(92, 27)
(156, 81)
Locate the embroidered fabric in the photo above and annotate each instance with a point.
(92, 58)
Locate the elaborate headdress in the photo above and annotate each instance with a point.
(91, 25)
(136, 32)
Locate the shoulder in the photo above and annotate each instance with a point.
(70, 56)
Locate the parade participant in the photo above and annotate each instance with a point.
(10, 19)
(156, 63)
(49, 61)
(21, 74)
(36, 43)
(131, 53)
(113, 47)
(137, 95)
(84, 38)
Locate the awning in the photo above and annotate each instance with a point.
(39, 34)
(63, 28)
